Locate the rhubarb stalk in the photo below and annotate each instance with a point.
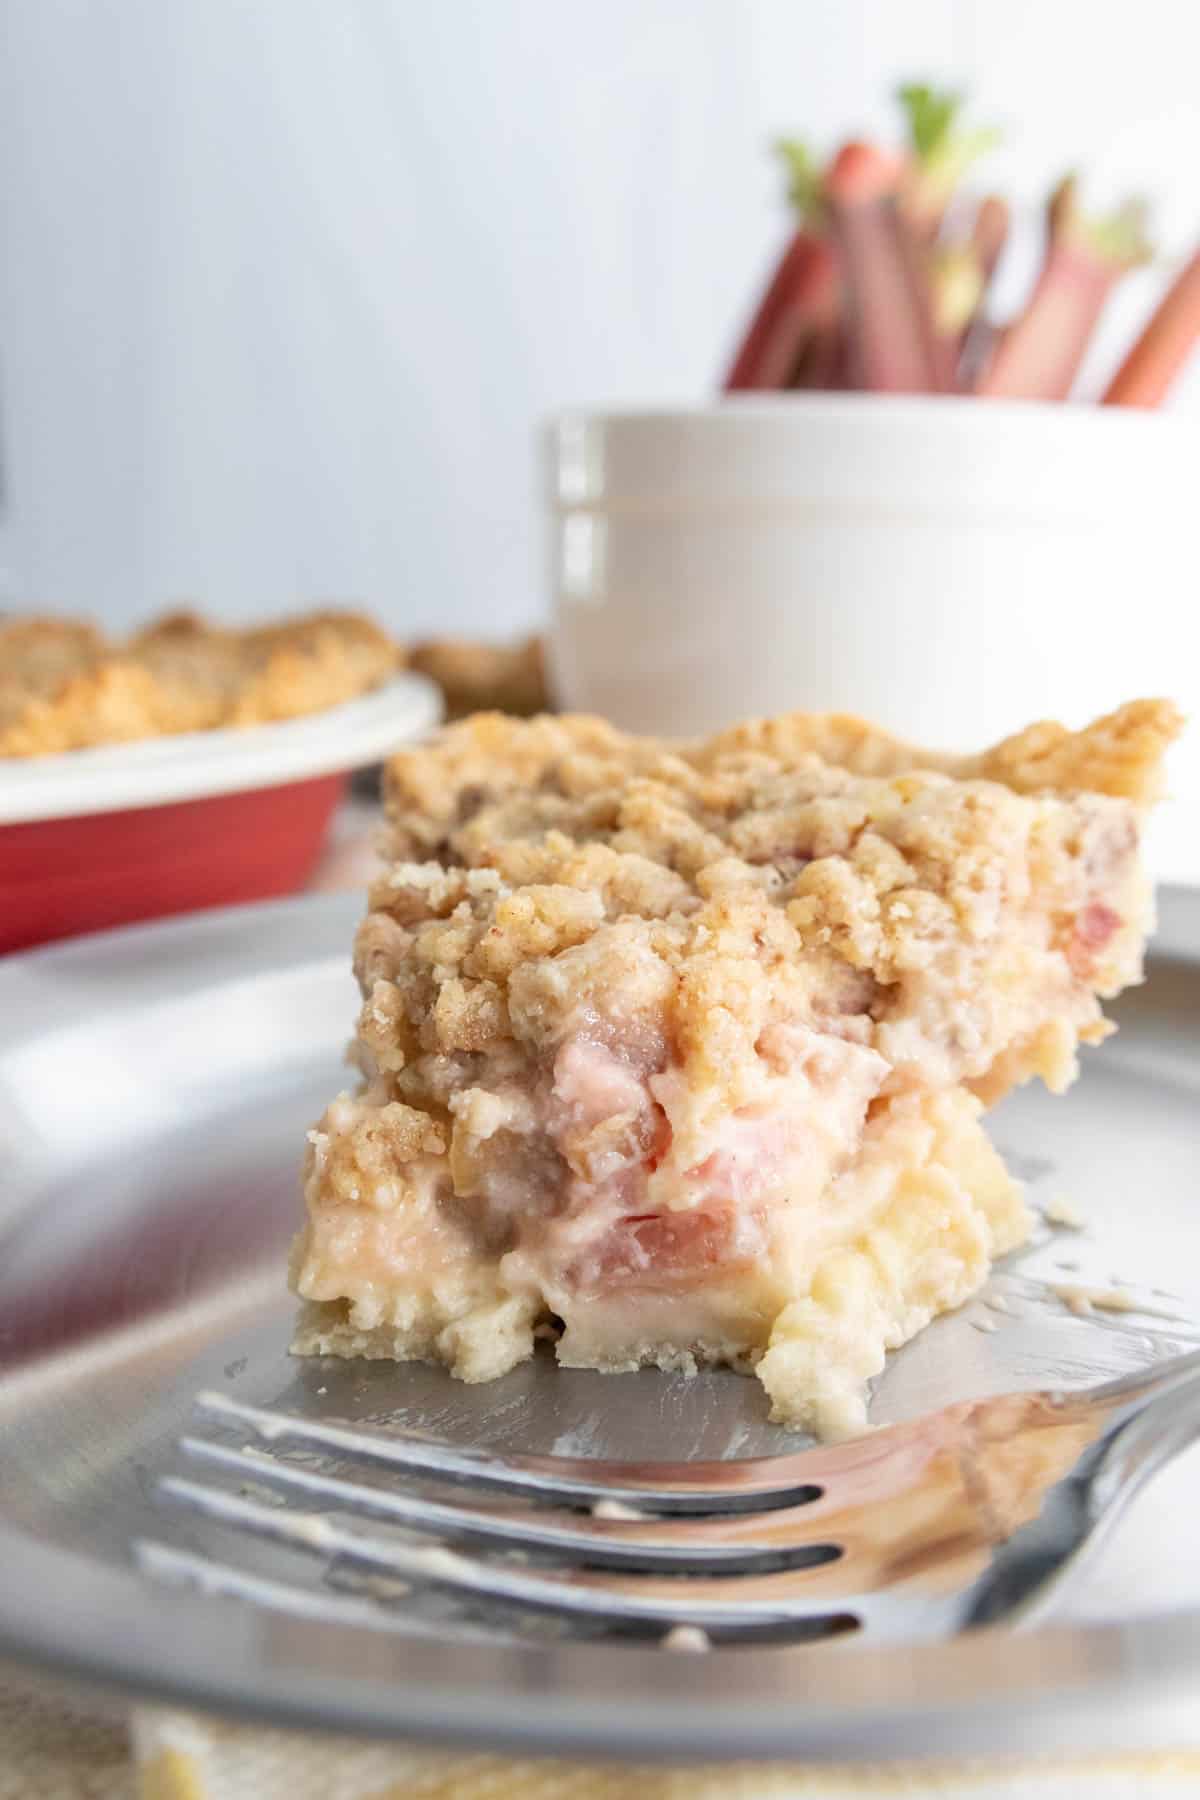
(1164, 346)
(956, 280)
(795, 326)
(989, 235)
(892, 340)
(1038, 357)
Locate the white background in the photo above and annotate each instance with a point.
(285, 284)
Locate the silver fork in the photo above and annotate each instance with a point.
(965, 1517)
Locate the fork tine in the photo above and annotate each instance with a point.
(728, 1543)
(736, 1543)
(170, 1563)
(698, 1487)
(746, 1484)
(654, 1604)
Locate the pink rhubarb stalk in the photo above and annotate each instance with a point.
(891, 337)
(989, 233)
(795, 327)
(801, 302)
(1164, 346)
(1038, 357)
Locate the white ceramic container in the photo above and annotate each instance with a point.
(950, 568)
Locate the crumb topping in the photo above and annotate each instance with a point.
(751, 879)
(64, 687)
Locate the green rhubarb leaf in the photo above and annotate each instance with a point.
(804, 190)
(931, 113)
(1121, 237)
(941, 147)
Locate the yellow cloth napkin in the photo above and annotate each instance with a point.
(54, 1749)
(185, 1758)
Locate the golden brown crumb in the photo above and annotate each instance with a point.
(39, 653)
(38, 657)
(1119, 754)
(476, 677)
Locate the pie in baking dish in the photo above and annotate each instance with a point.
(680, 1054)
(64, 686)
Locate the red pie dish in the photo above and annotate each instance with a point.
(95, 838)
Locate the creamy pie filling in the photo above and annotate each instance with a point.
(681, 1055)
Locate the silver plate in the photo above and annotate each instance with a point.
(154, 1089)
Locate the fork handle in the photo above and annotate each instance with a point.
(1147, 1384)
(1161, 1420)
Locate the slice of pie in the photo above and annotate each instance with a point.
(680, 1053)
